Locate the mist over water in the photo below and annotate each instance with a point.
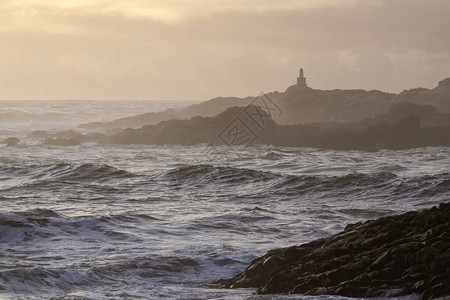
(17, 118)
(149, 222)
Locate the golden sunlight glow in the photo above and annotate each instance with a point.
(161, 10)
(173, 49)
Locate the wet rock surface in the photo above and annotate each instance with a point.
(391, 256)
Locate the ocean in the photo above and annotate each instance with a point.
(164, 222)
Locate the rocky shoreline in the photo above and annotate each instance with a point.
(391, 256)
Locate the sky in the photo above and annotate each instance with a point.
(200, 49)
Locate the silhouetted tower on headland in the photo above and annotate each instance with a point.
(301, 80)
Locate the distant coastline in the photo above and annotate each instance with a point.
(299, 117)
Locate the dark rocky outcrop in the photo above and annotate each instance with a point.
(394, 130)
(11, 142)
(185, 132)
(391, 256)
(406, 125)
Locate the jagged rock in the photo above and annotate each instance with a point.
(391, 256)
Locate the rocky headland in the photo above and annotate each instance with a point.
(391, 256)
(300, 105)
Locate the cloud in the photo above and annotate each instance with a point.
(196, 49)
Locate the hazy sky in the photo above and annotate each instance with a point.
(199, 49)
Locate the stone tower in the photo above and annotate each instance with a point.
(301, 80)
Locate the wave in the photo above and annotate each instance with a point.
(64, 172)
(83, 172)
(18, 228)
(129, 217)
(39, 280)
(72, 277)
(427, 186)
(385, 187)
(39, 212)
(219, 174)
(267, 185)
(39, 225)
(148, 266)
(326, 183)
(272, 155)
(15, 180)
(365, 213)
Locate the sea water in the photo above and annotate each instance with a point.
(164, 222)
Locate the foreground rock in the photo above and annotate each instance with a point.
(391, 256)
